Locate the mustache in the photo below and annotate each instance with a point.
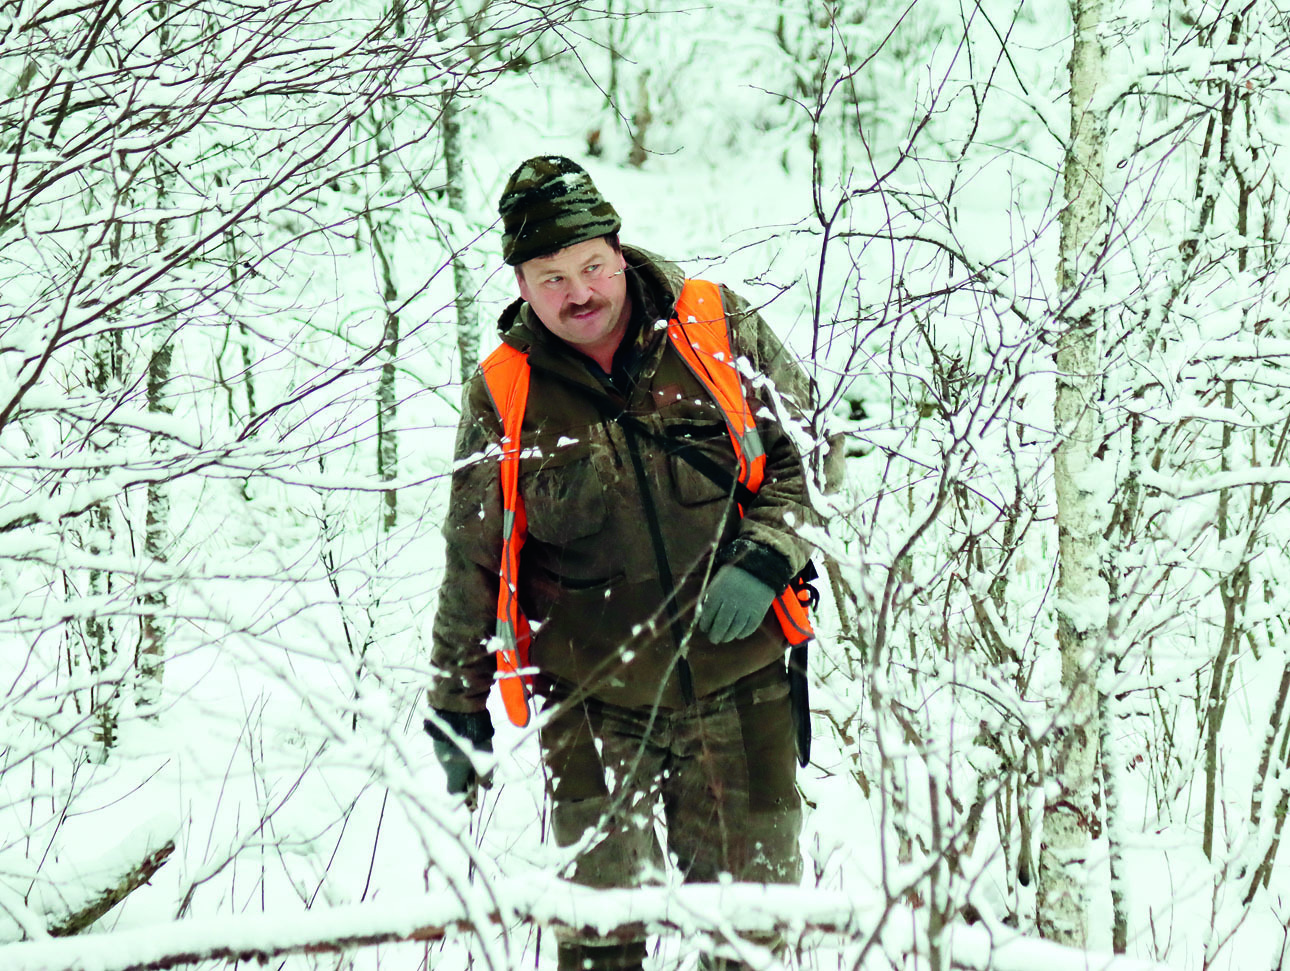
(595, 303)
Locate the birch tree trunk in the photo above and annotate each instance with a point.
(463, 280)
(151, 658)
(387, 449)
(101, 636)
(382, 231)
(242, 340)
(1070, 811)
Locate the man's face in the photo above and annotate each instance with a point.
(580, 294)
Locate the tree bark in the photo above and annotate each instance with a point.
(109, 898)
(100, 632)
(387, 436)
(150, 660)
(1070, 811)
(463, 280)
(387, 449)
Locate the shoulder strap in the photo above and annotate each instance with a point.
(700, 335)
(506, 374)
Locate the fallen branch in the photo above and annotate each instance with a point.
(68, 896)
(110, 897)
(719, 910)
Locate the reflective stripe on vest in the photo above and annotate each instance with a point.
(699, 334)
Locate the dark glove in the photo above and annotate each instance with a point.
(471, 731)
(735, 605)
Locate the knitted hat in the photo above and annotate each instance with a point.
(549, 203)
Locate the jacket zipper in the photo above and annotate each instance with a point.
(665, 580)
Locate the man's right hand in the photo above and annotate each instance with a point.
(735, 605)
(468, 732)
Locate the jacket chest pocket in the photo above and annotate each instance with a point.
(707, 443)
(563, 496)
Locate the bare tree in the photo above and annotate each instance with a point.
(195, 321)
(181, 195)
(1168, 411)
(1071, 813)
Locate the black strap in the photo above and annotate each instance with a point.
(665, 579)
(685, 450)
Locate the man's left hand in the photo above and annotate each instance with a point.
(735, 605)
(471, 733)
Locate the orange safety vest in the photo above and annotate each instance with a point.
(699, 334)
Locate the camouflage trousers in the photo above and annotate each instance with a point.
(724, 771)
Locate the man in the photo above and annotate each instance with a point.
(655, 493)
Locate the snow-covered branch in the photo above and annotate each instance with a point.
(716, 911)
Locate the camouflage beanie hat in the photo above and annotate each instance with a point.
(549, 203)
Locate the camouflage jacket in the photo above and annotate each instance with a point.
(602, 495)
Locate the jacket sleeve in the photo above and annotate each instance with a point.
(465, 618)
(769, 545)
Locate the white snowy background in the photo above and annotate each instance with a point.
(262, 189)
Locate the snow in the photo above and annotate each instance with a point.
(698, 909)
(287, 760)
